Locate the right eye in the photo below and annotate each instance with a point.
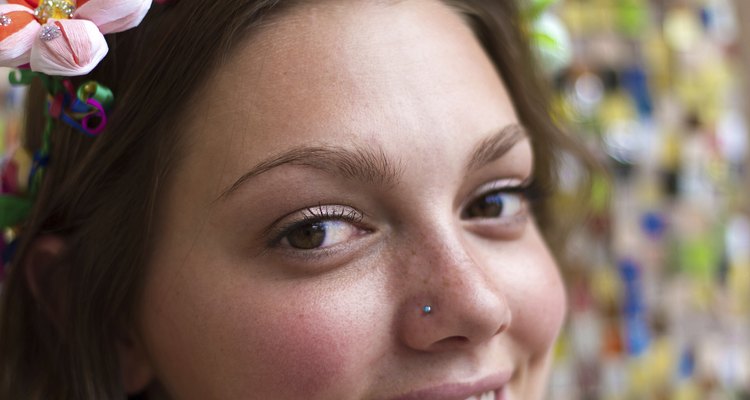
(318, 228)
(498, 204)
(319, 234)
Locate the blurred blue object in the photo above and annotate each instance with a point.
(635, 82)
(653, 224)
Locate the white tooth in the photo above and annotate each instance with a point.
(484, 396)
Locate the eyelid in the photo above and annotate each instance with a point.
(510, 184)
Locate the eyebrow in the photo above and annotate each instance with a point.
(496, 146)
(369, 165)
(372, 165)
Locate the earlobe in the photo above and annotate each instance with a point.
(135, 367)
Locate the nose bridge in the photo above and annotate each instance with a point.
(439, 255)
(445, 272)
(442, 258)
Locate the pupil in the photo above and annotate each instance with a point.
(308, 236)
(487, 207)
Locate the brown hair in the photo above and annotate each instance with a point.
(101, 195)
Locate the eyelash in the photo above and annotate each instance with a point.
(319, 213)
(531, 190)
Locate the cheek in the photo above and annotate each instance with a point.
(272, 342)
(300, 354)
(538, 302)
(315, 343)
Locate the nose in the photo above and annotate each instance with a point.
(451, 299)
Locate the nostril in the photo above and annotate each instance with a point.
(453, 340)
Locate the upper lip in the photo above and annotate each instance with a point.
(458, 391)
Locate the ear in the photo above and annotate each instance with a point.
(44, 267)
(135, 366)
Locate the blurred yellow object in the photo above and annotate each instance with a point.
(739, 288)
(671, 151)
(561, 350)
(3, 136)
(703, 89)
(688, 390)
(652, 372)
(601, 193)
(682, 28)
(658, 60)
(605, 285)
(640, 377)
(662, 363)
(617, 106)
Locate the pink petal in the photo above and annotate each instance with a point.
(113, 15)
(78, 49)
(17, 37)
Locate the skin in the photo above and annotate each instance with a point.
(229, 312)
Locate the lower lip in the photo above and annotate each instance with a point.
(450, 392)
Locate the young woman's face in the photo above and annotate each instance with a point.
(348, 166)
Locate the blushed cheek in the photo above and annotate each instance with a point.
(254, 349)
(302, 355)
(308, 355)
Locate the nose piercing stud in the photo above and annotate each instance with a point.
(427, 309)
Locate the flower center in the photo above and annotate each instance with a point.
(56, 9)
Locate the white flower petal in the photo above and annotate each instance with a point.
(113, 15)
(78, 49)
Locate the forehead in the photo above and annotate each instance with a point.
(365, 72)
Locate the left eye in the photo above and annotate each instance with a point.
(496, 204)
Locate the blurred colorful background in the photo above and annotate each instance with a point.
(659, 278)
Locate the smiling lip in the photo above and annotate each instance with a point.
(458, 391)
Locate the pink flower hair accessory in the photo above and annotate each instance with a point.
(63, 37)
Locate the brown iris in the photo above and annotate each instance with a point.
(487, 206)
(308, 236)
